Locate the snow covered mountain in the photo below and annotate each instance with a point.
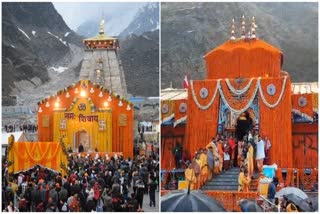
(147, 19)
(34, 39)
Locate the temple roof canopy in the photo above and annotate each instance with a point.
(101, 36)
(243, 58)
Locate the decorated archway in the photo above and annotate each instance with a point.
(241, 73)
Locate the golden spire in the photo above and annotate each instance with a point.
(253, 28)
(101, 31)
(233, 30)
(243, 27)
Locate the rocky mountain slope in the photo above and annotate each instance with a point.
(190, 30)
(41, 55)
(147, 19)
(35, 41)
(140, 60)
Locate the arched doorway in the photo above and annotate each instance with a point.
(244, 123)
(83, 138)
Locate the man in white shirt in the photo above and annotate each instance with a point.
(260, 155)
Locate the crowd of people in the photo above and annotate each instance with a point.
(27, 128)
(223, 153)
(99, 184)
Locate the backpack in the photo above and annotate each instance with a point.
(99, 206)
(64, 208)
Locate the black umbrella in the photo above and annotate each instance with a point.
(300, 203)
(196, 201)
(247, 205)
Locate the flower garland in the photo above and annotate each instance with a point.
(238, 111)
(240, 91)
(210, 102)
(280, 97)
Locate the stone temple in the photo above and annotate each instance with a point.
(101, 63)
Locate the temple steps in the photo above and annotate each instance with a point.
(228, 181)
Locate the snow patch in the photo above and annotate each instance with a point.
(66, 34)
(146, 37)
(189, 31)
(151, 21)
(57, 37)
(12, 46)
(24, 33)
(34, 33)
(157, 27)
(60, 69)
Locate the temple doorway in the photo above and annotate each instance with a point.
(83, 138)
(244, 123)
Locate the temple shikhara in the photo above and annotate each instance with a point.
(101, 63)
(245, 89)
(92, 114)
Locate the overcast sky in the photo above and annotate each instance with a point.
(74, 14)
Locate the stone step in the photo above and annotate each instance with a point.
(223, 179)
(222, 183)
(226, 176)
(225, 188)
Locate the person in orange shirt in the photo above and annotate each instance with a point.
(204, 166)
(243, 181)
(213, 145)
(197, 170)
(250, 159)
(233, 145)
(190, 176)
(221, 154)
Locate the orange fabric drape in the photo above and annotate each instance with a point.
(177, 114)
(170, 110)
(308, 108)
(46, 154)
(122, 136)
(276, 122)
(244, 59)
(170, 136)
(305, 147)
(229, 200)
(202, 124)
(315, 100)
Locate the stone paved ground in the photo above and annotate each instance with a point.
(146, 201)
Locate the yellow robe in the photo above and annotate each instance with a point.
(250, 160)
(190, 177)
(204, 163)
(243, 183)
